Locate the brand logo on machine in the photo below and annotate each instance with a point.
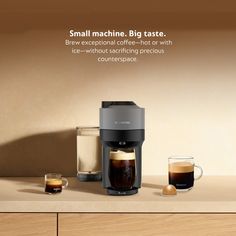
(123, 122)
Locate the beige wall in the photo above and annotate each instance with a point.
(45, 91)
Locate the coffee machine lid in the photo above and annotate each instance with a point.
(121, 115)
(107, 104)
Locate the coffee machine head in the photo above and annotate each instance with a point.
(122, 136)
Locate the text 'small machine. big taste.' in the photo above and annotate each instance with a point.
(122, 136)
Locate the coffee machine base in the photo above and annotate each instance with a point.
(122, 193)
(89, 177)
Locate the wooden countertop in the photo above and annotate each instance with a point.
(211, 194)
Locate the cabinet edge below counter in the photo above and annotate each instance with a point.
(118, 207)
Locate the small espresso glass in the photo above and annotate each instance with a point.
(181, 172)
(54, 183)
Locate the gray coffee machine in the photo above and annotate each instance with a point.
(122, 136)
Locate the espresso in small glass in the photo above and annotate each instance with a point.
(122, 169)
(53, 186)
(54, 183)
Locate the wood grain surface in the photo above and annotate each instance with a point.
(22, 224)
(147, 224)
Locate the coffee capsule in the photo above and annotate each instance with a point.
(169, 190)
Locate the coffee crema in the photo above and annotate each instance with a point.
(121, 155)
(181, 167)
(53, 186)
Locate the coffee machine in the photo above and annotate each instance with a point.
(122, 136)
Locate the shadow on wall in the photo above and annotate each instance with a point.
(38, 154)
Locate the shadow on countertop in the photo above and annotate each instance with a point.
(155, 186)
(35, 185)
(38, 154)
(86, 187)
(34, 191)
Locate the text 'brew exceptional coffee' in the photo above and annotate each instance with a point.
(122, 169)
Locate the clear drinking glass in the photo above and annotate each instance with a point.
(181, 172)
(88, 154)
(122, 169)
